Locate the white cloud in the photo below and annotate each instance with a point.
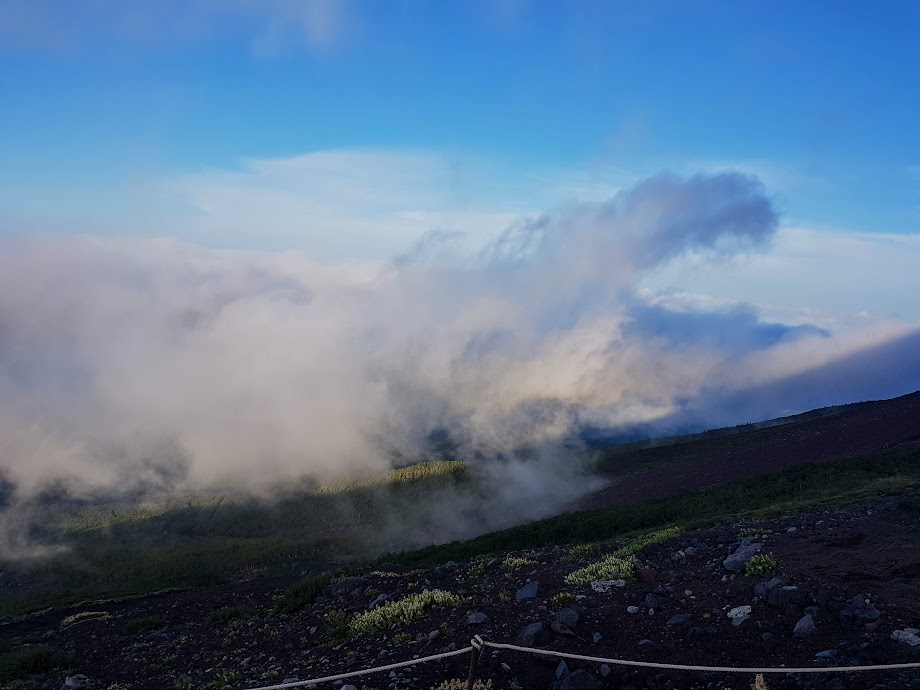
(831, 278)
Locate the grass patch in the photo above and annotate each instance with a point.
(29, 660)
(145, 625)
(788, 491)
(512, 563)
(303, 594)
(229, 615)
(83, 617)
(403, 611)
(619, 564)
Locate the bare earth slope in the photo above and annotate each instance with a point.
(699, 462)
(852, 569)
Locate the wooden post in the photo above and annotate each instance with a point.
(471, 677)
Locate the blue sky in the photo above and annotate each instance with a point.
(161, 118)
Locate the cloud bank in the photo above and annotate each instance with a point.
(142, 363)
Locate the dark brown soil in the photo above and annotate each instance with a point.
(867, 428)
(870, 550)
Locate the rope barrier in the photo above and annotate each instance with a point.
(376, 669)
(477, 644)
(685, 667)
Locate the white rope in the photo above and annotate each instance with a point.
(478, 643)
(683, 667)
(376, 669)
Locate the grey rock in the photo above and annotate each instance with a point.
(767, 636)
(381, 598)
(700, 631)
(737, 621)
(477, 618)
(762, 589)
(859, 610)
(654, 601)
(739, 559)
(805, 626)
(597, 637)
(578, 680)
(605, 670)
(568, 617)
(826, 654)
(528, 591)
(679, 619)
(632, 609)
(533, 634)
(562, 670)
(780, 597)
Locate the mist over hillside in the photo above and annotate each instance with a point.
(144, 368)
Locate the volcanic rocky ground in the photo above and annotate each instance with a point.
(853, 572)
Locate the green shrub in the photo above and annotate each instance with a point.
(32, 659)
(457, 684)
(338, 627)
(581, 551)
(619, 563)
(562, 599)
(228, 615)
(303, 594)
(145, 625)
(512, 563)
(403, 611)
(761, 565)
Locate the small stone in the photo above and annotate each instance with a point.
(738, 620)
(562, 670)
(740, 611)
(381, 598)
(505, 667)
(605, 670)
(528, 591)
(604, 586)
(597, 637)
(532, 634)
(826, 654)
(632, 609)
(805, 626)
(477, 618)
(678, 619)
(568, 617)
